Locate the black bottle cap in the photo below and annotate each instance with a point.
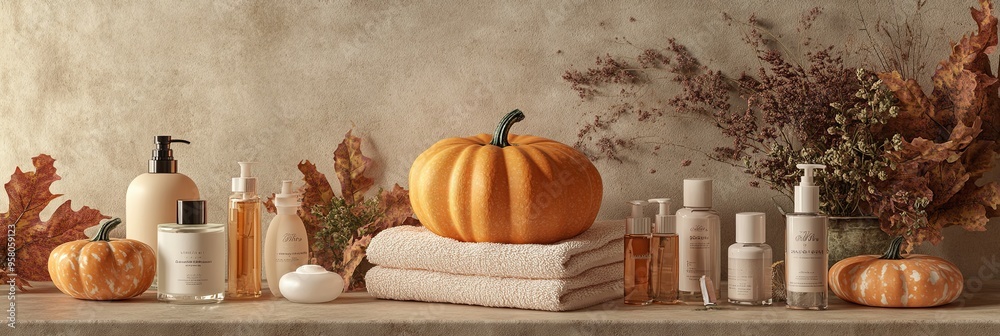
(191, 212)
(162, 160)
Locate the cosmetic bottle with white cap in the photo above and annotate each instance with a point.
(750, 262)
(637, 256)
(699, 246)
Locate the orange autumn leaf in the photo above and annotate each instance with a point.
(949, 143)
(28, 195)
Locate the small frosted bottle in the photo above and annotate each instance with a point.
(637, 255)
(191, 260)
(665, 244)
(750, 262)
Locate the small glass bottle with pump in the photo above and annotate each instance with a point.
(191, 258)
(244, 237)
(637, 255)
(750, 262)
(700, 246)
(806, 254)
(665, 244)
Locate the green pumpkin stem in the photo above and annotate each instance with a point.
(893, 252)
(103, 234)
(500, 135)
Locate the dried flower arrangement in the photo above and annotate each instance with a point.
(892, 151)
(340, 227)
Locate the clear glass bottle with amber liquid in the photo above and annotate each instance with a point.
(664, 242)
(244, 233)
(637, 257)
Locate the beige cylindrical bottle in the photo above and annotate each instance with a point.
(151, 198)
(700, 246)
(286, 245)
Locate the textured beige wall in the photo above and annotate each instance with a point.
(91, 82)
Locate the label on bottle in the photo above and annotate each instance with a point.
(291, 251)
(749, 280)
(695, 252)
(806, 254)
(191, 263)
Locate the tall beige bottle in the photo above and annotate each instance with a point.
(151, 198)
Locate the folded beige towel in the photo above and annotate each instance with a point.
(415, 247)
(591, 287)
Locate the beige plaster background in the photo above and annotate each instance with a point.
(91, 82)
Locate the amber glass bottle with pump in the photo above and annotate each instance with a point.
(637, 255)
(244, 237)
(665, 243)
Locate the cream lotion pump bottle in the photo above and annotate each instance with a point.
(286, 246)
(750, 262)
(637, 257)
(806, 253)
(151, 198)
(664, 249)
(699, 248)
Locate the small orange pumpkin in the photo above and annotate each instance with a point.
(893, 280)
(518, 189)
(102, 268)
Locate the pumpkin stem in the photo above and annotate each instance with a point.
(893, 252)
(103, 234)
(500, 135)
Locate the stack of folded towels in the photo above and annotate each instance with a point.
(416, 264)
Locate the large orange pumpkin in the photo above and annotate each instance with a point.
(519, 189)
(892, 280)
(103, 268)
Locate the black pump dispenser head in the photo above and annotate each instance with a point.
(163, 157)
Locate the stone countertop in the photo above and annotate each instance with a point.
(46, 311)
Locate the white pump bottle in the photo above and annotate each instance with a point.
(286, 246)
(806, 253)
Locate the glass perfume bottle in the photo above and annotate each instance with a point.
(665, 247)
(637, 255)
(191, 257)
(244, 237)
(750, 262)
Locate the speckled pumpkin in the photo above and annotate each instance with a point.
(892, 280)
(103, 268)
(518, 189)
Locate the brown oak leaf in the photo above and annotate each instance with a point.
(28, 194)
(350, 166)
(395, 205)
(354, 254)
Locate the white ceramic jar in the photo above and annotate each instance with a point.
(311, 284)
